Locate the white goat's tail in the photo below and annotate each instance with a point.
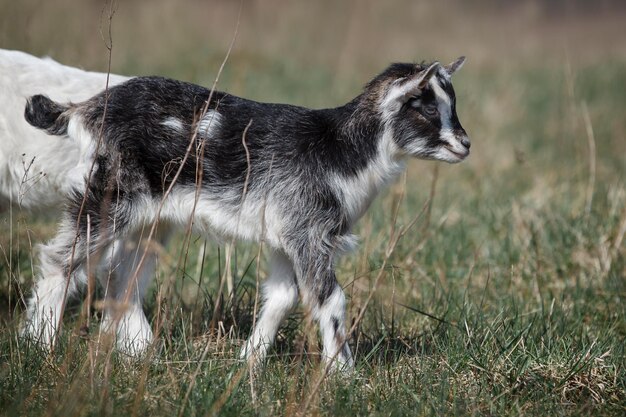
(48, 115)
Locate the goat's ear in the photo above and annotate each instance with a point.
(418, 82)
(424, 77)
(453, 67)
(403, 89)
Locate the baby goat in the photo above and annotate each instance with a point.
(38, 172)
(297, 179)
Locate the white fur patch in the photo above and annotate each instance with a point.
(444, 104)
(254, 220)
(130, 325)
(174, 124)
(454, 151)
(209, 124)
(331, 317)
(357, 192)
(87, 145)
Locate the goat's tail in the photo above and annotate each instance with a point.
(48, 115)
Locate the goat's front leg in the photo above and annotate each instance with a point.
(325, 298)
(280, 296)
(331, 316)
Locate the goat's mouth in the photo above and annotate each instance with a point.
(460, 155)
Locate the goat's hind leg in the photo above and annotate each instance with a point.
(125, 281)
(63, 263)
(60, 276)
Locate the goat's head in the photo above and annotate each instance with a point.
(418, 105)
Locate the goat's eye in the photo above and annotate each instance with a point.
(431, 111)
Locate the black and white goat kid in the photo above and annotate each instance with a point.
(296, 178)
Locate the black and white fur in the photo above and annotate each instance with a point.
(297, 179)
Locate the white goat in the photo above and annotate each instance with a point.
(38, 172)
(35, 169)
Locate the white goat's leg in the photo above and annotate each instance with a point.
(280, 295)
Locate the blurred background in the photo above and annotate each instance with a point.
(345, 42)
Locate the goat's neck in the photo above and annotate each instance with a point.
(364, 129)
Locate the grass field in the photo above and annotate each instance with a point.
(506, 297)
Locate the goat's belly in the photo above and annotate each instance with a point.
(217, 216)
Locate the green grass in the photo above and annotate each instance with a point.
(507, 298)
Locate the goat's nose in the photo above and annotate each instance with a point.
(466, 142)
